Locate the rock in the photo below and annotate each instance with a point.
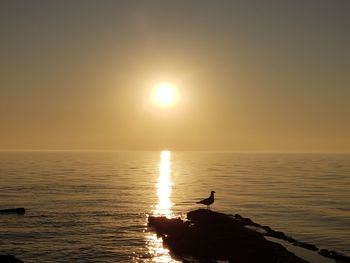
(9, 259)
(305, 245)
(209, 235)
(334, 255)
(277, 234)
(20, 211)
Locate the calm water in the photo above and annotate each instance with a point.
(93, 206)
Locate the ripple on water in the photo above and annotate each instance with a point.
(93, 206)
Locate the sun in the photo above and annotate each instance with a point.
(165, 95)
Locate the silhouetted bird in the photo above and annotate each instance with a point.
(208, 201)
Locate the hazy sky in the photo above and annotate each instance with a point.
(253, 75)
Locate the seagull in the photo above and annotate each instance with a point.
(208, 201)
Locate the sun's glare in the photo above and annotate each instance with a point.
(164, 185)
(165, 95)
(158, 252)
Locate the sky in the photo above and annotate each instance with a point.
(260, 76)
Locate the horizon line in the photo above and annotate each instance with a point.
(178, 150)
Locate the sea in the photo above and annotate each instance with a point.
(93, 206)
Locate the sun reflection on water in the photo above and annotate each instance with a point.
(156, 250)
(163, 185)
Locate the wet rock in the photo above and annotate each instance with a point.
(20, 211)
(9, 259)
(277, 234)
(166, 226)
(209, 235)
(305, 245)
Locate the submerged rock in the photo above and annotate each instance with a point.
(209, 235)
(9, 259)
(338, 257)
(273, 233)
(20, 210)
(334, 255)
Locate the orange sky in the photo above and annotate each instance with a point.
(253, 76)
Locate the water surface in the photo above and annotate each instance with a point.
(93, 206)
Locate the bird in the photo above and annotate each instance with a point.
(208, 201)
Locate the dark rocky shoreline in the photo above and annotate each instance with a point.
(208, 235)
(9, 259)
(20, 211)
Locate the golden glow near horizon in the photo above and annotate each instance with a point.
(157, 85)
(165, 95)
(155, 244)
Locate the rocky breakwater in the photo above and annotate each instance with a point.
(208, 235)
